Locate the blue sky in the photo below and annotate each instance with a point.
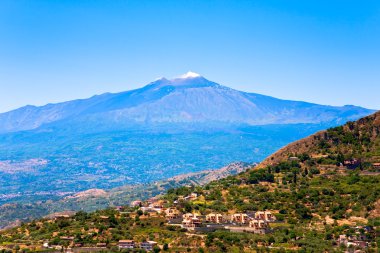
(320, 51)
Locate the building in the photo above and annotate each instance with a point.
(148, 246)
(191, 223)
(136, 203)
(61, 216)
(101, 245)
(352, 164)
(67, 238)
(376, 165)
(214, 218)
(157, 205)
(259, 226)
(172, 213)
(192, 196)
(265, 215)
(352, 241)
(190, 215)
(240, 218)
(127, 244)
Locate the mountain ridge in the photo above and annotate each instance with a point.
(192, 99)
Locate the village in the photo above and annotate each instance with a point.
(194, 223)
(251, 222)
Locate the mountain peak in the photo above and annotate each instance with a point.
(190, 74)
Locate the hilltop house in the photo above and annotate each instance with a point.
(352, 164)
(191, 223)
(136, 203)
(192, 196)
(265, 215)
(259, 226)
(127, 244)
(61, 216)
(240, 218)
(148, 246)
(101, 245)
(67, 238)
(214, 218)
(293, 158)
(156, 206)
(190, 215)
(172, 213)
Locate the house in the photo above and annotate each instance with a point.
(259, 226)
(126, 244)
(157, 205)
(192, 196)
(190, 215)
(67, 238)
(376, 165)
(148, 246)
(136, 203)
(172, 213)
(214, 218)
(353, 241)
(191, 223)
(152, 200)
(61, 216)
(101, 245)
(265, 215)
(240, 218)
(352, 163)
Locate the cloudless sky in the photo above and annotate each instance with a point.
(323, 51)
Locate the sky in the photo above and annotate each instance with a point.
(323, 51)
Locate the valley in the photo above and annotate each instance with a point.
(311, 201)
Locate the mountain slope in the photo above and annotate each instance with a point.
(189, 99)
(316, 201)
(354, 140)
(94, 199)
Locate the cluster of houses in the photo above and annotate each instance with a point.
(131, 244)
(254, 222)
(357, 240)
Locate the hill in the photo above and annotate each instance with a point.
(355, 140)
(322, 201)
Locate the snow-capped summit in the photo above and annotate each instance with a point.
(190, 75)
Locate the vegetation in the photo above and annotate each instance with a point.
(315, 197)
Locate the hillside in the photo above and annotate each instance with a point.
(321, 203)
(94, 199)
(354, 140)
